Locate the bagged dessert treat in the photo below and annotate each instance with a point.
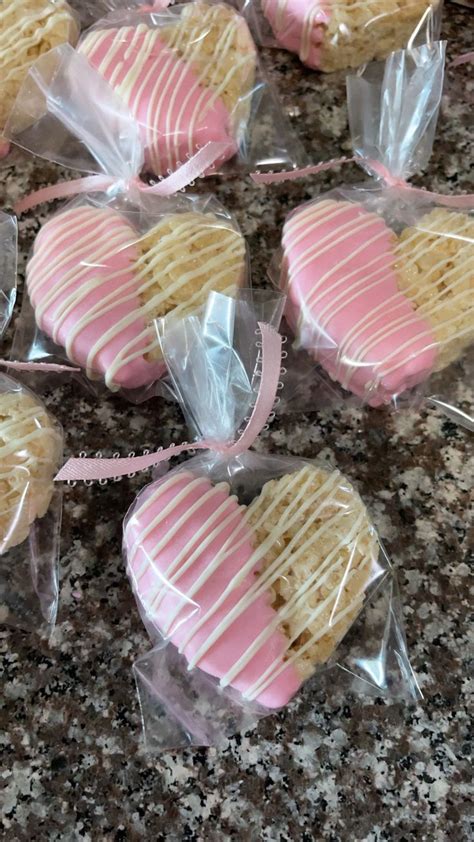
(30, 516)
(28, 28)
(110, 262)
(248, 569)
(8, 260)
(187, 76)
(190, 74)
(336, 34)
(379, 275)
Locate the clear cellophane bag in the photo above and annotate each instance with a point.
(379, 275)
(109, 263)
(252, 572)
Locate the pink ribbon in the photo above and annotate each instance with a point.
(464, 58)
(466, 200)
(180, 178)
(97, 469)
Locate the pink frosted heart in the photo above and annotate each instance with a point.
(82, 284)
(175, 114)
(191, 561)
(344, 302)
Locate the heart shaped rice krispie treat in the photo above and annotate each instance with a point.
(256, 596)
(380, 313)
(28, 28)
(30, 452)
(186, 83)
(334, 34)
(96, 284)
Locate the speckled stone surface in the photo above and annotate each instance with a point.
(335, 765)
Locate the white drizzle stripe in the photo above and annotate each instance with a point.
(181, 522)
(425, 310)
(328, 242)
(25, 32)
(341, 263)
(234, 514)
(439, 341)
(319, 215)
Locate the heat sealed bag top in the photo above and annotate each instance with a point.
(110, 262)
(31, 444)
(379, 275)
(248, 569)
(331, 35)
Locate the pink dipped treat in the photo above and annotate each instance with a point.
(334, 34)
(176, 114)
(192, 560)
(298, 26)
(84, 288)
(344, 302)
(97, 284)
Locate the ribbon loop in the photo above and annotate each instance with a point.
(193, 168)
(101, 469)
(465, 201)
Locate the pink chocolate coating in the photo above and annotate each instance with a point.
(176, 115)
(299, 26)
(176, 530)
(344, 302)
(82, 284)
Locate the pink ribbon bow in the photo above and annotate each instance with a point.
(182, 177)
(466, 200)
(98, 469)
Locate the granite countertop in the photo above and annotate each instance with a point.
(334, 765)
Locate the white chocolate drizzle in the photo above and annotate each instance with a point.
(347, 286)
(137, 283)
(307, 505)
(164, 93)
